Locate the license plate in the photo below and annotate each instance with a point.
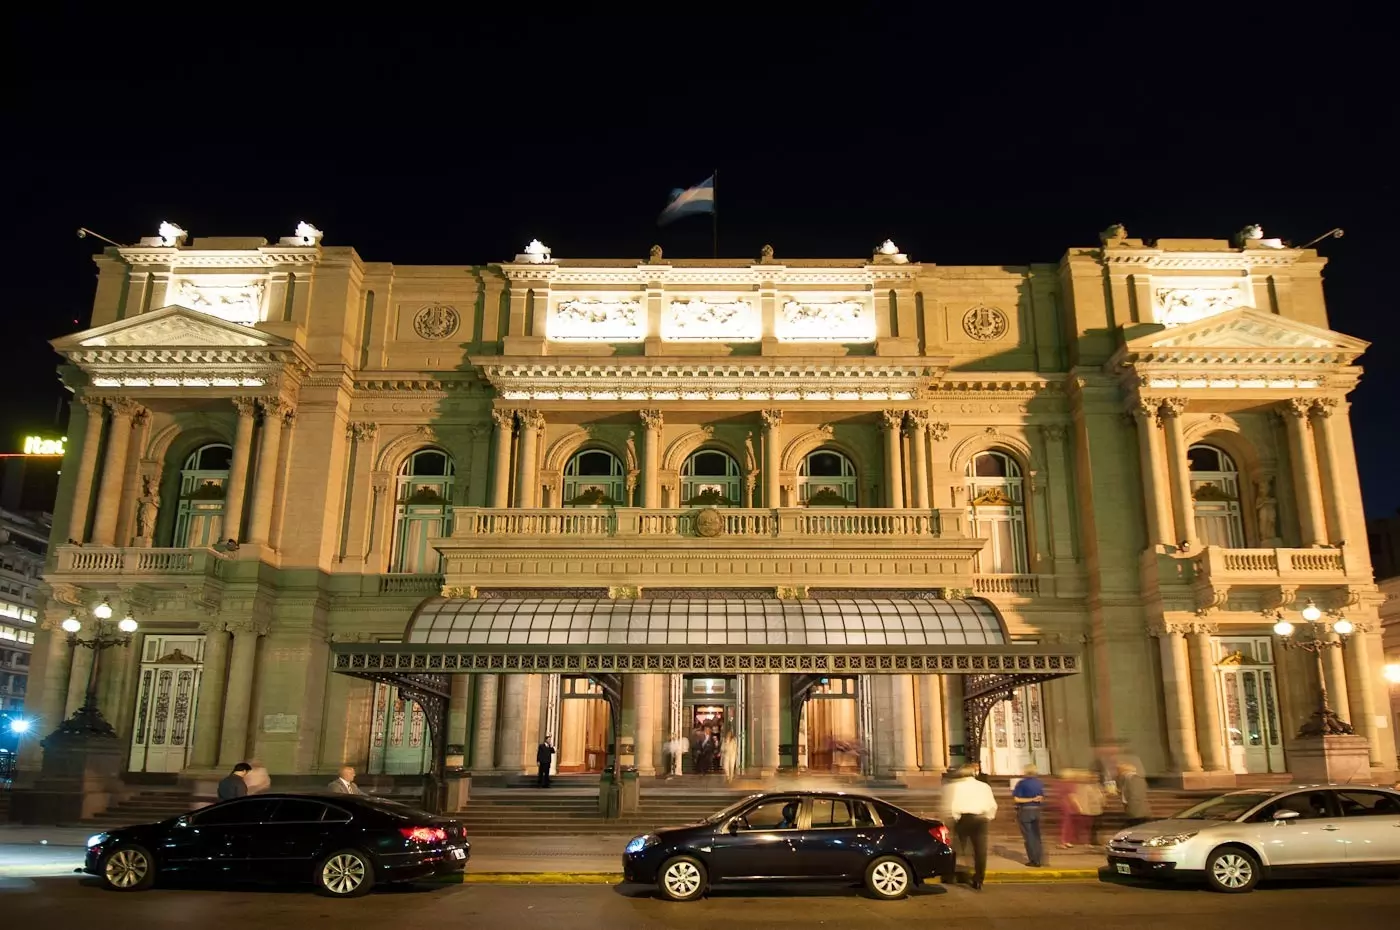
(1124, 868)
(459, 853)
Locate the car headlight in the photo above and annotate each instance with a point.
(637, 844)
(1173, 840)
(97, 839)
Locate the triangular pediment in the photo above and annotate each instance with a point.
(171, 327)
(1245, 328)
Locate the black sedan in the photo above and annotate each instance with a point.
(795, 836)
(343, 844)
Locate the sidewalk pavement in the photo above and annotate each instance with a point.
(549, 859)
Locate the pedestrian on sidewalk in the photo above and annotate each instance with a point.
(258, 780)
(1132, 788)
(544, 758)
(729, 756)
(972, 807)
(234, 784)
(1029, 798)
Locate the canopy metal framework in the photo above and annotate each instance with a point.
(894, 633)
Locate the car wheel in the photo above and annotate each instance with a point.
(1232, 871)
(888, 878)
(128, 868)
(345, 873)
(682, 879)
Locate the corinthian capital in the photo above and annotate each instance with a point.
(1147, 408)
(361, 432)
(274, 407)
(916, 421)
(772, 419)
(938, 431)
(1298, 407)
(530, 419)
(246, 406)
(125, 407)
(1173, 406)
(651, 419)
(504, 419)
(1324, 407)
(891, 419)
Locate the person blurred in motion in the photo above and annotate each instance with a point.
(1029, 798)
(257, 779)
(729, 756)
(972, 808)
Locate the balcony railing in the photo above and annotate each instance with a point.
(731, 522)
(424, 585)
(92, 560)
(1214, 564)
(1004, 585)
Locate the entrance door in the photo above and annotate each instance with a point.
(167, 697)
(833, 737)
(399, 742)
(1246, 680)
(583, 726)
(1015, 734)
(709, 710)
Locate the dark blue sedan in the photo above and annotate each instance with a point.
(342, 844)
(804, 836)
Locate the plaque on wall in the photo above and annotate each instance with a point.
(279, 723)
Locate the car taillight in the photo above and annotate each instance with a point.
(941, 834)
(424, 834)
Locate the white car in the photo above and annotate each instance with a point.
(1234, 840)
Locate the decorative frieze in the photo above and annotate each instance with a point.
(697, 319)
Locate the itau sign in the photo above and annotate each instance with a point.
(38, 445)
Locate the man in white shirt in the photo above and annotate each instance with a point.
(972, 807)
(345, 783)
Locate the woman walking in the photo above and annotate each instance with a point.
(729, 756)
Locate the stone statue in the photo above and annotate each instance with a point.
(750, 460)
(631, 452)
(655, 255)
(1115, 233)
(1267, 509)
(146, 512)
(766, 254)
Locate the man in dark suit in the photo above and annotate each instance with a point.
(544, 758)
(233, 784)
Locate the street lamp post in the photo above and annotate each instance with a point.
(87, 721)
(1324, 721)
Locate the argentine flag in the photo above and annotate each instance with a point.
(695, 200)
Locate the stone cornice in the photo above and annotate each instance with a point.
(265, 257)
(1158, 260)
(685, 277)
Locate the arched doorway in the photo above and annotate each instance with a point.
(199, 519)
(422, 510)
(711, 478)
(1215, 492)
(996, 511)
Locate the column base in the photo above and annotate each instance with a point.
(1198, 781)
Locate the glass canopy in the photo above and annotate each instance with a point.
(684, 621)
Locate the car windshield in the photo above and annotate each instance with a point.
(731, 810)
(1225, 807)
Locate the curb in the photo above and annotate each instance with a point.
(1038, 876)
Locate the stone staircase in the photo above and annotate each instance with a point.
(147, 807)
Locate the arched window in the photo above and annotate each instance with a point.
(199, 519)
(996, 509)
(1215, 488)
(422, 510)
(826, 479)
(594, 477)
(710, 477)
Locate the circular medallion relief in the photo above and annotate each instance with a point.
(709, 523)
(985, 323)
(436, 321)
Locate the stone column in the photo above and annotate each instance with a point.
(238, 468)
(213, 679)
(527, 482)
(1179, 471)
(772, 458)
(770, 725)
(651, 458)
(265, 483)
(1334, 671)
(109, 493)
(1312, 524)
(58, 664)
(1359, 672)
(1156, 502)
(932, 736)
(87, 470)
(1176, 693)
(458, 726)
(238, 698)
(904, 759)
(484, 745)
(500, 472)
(1327, 450)
(1210, 736)
(80, 669)
(917, 423)
(646, 725)
(890, 422)
(512, 724)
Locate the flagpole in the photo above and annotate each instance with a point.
(714, 211)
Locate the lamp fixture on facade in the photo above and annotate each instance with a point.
(1392, 672)
(87, 721)
(1324, 721)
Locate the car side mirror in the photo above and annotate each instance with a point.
(1285, 815)
(733, 826)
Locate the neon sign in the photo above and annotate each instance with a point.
(38, 445)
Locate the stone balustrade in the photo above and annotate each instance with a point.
(425, 585)
(1215, 565)
(730, 523)
(108, 561)
(993, 586)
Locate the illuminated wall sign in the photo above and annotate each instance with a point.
(38, 445)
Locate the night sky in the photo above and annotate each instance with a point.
(1003, 136)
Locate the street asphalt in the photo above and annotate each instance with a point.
(76, 902)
